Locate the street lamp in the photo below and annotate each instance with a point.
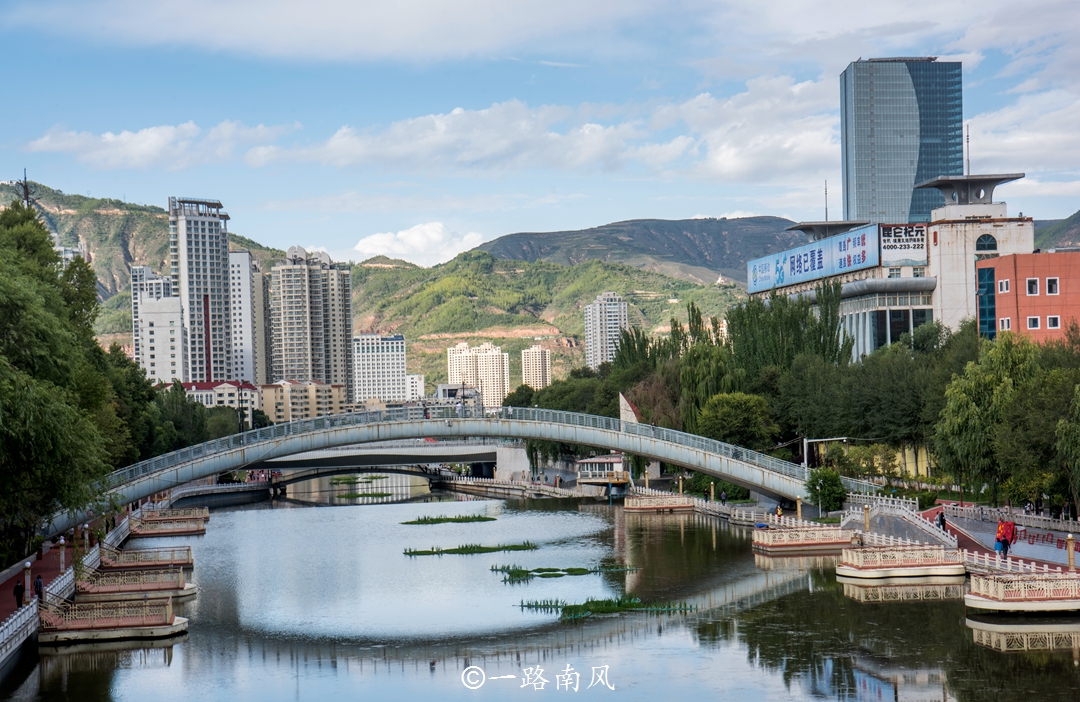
(806, 442)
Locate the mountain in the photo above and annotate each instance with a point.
(698, 250)
(1062, 233)
(477, 297)
(115, 234)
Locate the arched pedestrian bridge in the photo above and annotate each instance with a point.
(738, 465)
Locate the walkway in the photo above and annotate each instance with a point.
(733, 463)
(48, 567)
(966, 539)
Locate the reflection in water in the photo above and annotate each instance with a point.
(1012, 634)
(935, 588)
(308, 604)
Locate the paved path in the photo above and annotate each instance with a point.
(970, 536)
(48, 567)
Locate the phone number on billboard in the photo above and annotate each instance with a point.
(901, 246)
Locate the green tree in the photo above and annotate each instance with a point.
(222, 421)
(740, 419)
(1067, 443)
(521, 397)
(974, 406)
(824, 487)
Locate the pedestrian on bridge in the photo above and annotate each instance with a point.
(39, 588)
(20, 590)
(723, 497)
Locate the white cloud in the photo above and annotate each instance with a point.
(165, 146)
(424, 244)
(508, 135)
(1038, 132)
(410, 30)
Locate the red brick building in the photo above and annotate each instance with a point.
(1035, 294)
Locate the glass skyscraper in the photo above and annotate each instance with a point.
(901, 123)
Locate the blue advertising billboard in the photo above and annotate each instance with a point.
(850, 251)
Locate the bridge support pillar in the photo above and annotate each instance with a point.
(712, 492)
(28, 591)
(866, 518)
(680, 485)
(1070, 553)
(798, 508)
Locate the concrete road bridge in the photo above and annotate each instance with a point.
(735, 464)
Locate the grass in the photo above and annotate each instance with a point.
(442, 519)
(828, 520)
(605, 606)
(354, 495)
(344, 480)
(471, 549)
(518, 574)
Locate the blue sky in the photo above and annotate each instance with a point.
(418, 129)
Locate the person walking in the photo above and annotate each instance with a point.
(20, 590)
(1005, 547)
(39, 588)
(723, 497)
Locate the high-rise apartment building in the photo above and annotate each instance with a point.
(311, 320)
(379, 368)
(242, 269)
(415, 388)
(483, 367)
(261, 326)
(536, 367)
(901, 123)
(160, 336)
(157, 326)
(145, 284)
(605, 318)
(199, 253)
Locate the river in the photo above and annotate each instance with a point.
(304, 600)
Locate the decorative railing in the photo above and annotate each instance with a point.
(858, 515)
(98, 581)
(985, 561)
(892, 557)
(514, 484)
(104, 615)
(659, 502)
(1048, 639)
(149, 527)
(801, 537)
(158, 515)
(527, 414)
(188, 490)
(92, 559)
(117, 536)
(61, 588)
(612, 475)
(872, 594)
(180, 555)
(992, 514)
(1026, 588)
(873, 539)
(858, 498)
(17, 628)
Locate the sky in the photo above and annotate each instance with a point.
(419, 129)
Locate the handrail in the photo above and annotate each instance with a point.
(256, 436)
(858, 498)
(992, 514)
(17, 628)
(912, 518)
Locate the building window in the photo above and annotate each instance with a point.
(987, 304)
(1032, 286)
(1003, 286)
(918, 272)
(1053, 322)
(1051, 286)
(1005, 324)
(894, 272)
(986, 242)
(1033, 323)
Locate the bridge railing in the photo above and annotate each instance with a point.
(17, 628)
(1034, 587)
(856, 498)
(992, 514)
(403, 414)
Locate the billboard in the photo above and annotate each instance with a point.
(903, 244)
(850, 251)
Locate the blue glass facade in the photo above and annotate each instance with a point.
(987, 303)
(901, 123)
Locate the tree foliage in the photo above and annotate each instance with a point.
(824, 487)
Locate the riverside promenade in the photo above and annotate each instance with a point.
(48, 567)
